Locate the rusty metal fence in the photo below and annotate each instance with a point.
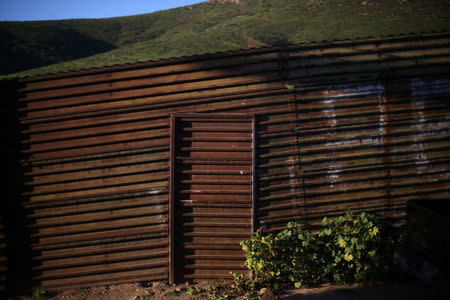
(211, 194)
(341, 125)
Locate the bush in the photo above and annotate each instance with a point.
(288, 257)
(348, 249)
(355, 248)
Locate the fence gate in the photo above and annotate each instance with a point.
(211, 194)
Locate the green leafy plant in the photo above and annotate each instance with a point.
(195, 290)
(218, 297)
(42, 294)
(220, 289)
(287, 257)
(354, 248)
(349, 248)
(243, 283)
(146, 295)
(290, 87)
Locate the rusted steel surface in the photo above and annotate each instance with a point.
(375, 142)
(353, 124)
(100, 218)
(212, 194)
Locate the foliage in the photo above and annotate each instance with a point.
(218, 297)
(290, 256)
(42, 294)
(218, 290)
(195, 290)
(65, 45)
(244, 284)
(355, 248)
(349, 248)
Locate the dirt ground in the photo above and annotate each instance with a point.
(411, 290)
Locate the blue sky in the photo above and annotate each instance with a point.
(28, 10)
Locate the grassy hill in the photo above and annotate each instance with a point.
(41, 47)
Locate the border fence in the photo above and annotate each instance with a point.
(114, 191)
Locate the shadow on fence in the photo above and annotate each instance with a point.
(18, 261)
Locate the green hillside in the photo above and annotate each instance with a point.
(41, 47)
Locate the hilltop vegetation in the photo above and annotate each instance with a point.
(41, 47)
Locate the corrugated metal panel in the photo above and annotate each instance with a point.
(101, 218)
(370, 115)
(212, 193)
(3, 261)
(355, 124)
(98, 162)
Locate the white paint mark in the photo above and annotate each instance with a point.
(420, 94)
(155, 191)
(420, 91)
(329, 111)
(332, 96)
